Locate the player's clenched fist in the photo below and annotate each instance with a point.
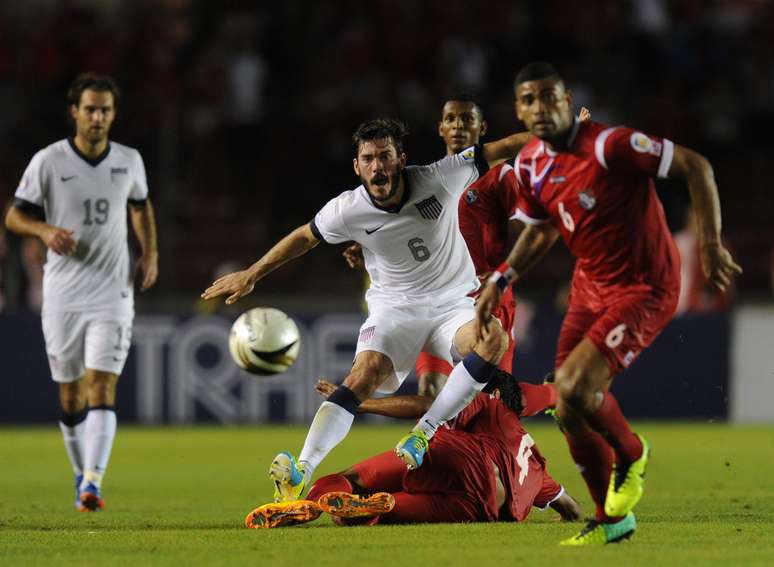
(354, 256)
(60, 240)
(719, 267)
(235, 285)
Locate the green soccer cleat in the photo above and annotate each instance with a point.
(596, 533)
(625, 488)
(288, 476)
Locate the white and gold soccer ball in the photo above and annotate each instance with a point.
(264, 341)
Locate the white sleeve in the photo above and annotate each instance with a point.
(33, 187)
(329, 224)
(139, 189)
(458, 171)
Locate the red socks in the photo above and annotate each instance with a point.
(594, 458)
(610, 422)
(330, 483)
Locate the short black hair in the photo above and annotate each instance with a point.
(462, 96)
(510, 391)
(378, 129)
(534, 71)
(95, 82)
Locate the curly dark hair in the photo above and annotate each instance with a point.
(378, 129)
(510, 392)
(95, 82)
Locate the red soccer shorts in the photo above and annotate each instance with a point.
(506, 314)
(621, 322)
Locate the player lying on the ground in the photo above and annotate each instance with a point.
(481, 467)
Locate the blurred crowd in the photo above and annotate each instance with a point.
(243, 110)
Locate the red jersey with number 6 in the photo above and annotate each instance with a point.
(599, 194)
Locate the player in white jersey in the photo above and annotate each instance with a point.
(74, 196)
(405, 218)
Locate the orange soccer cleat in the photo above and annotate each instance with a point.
(346, 505)
(279, 514)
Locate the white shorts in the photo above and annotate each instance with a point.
(79, 340)
(402, 332)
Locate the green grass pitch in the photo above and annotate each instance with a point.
(178, 496)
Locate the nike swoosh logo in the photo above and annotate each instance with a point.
(373, 230)
(68, 178)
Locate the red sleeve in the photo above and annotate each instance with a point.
(529, 209)
(506, 189)
(629, 150)
(536, 398)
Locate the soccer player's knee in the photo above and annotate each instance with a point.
(570, 388)
(494, 344)
(102, 391)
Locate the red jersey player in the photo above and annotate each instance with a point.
(592, 184)
(482, 466)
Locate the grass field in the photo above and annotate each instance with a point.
(179, 496)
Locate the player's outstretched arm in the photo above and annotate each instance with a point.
(58, 239)
(719, 267)
(533, 243)
(239, 284)
(401, 407)
(505, 148)
(144, 225)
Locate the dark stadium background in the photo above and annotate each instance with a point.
(243, 112)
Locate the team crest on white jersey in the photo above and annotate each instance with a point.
(471, 196)
(587, 199)
(430, 208)
(469, 154)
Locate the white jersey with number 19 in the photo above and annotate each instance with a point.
(88, 197)
(414, 252)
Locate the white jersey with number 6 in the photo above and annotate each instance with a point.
(88, 197)
(414, 252)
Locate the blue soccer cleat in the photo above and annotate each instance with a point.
(412, 448)
(91, 499)
(288, 476)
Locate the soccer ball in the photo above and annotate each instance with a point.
(264, 341)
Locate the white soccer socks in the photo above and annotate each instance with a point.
(466, 380)
(100, 432)
(73, 427)
(330, 426)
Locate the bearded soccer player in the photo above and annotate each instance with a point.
(592, 185)
(481, 467)
(405, 218)
(487, 221)
(74, 196)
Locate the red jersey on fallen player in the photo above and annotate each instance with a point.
(599, 194)
(486, 432)
(484, 211)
